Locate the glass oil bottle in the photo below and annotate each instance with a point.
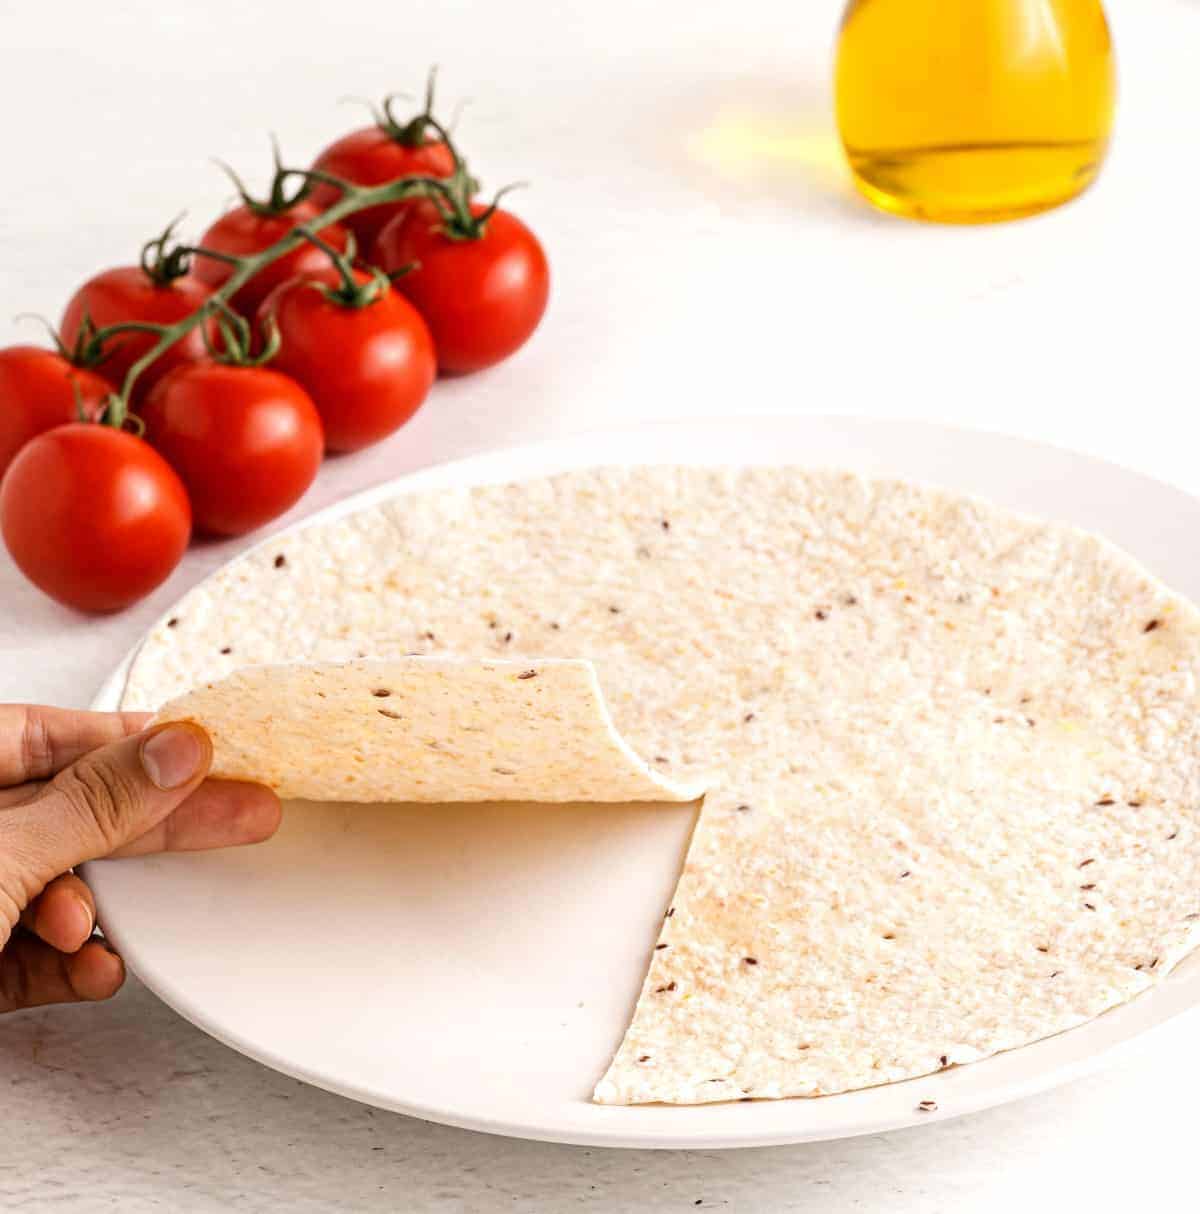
(966, 111)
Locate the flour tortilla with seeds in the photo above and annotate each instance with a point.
(958, 800)
(422, 729)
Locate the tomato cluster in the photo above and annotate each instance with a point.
(179, 399)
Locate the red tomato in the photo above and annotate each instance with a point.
(244, 231)
(367, 368)
(373, 156)
(246, 441)
(93, 516)
(37, 392)
(129, 293)
(481, 298)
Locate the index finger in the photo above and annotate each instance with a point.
(36, 742)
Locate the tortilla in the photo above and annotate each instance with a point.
(422, 729)
(956, 807)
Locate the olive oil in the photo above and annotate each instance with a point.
(967, 111)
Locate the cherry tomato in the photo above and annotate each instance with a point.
(93, 516)
(245, 231)
(246, 441)
(481, 298)
(367, 368)
(38, 392)
(373, 156)
(129, 293)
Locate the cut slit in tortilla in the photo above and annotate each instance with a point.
(423, 729)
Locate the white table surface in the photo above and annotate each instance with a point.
(709, 259)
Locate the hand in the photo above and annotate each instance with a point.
(76, 786)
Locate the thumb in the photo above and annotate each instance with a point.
(104, 800)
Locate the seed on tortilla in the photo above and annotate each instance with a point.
(1085, 863)
(661, 759)
(1025, 699)
(1135, 804)
(821, 615)
(1041, 948)
(657, 947)
(1089, 906)
(280, 561)
(227, 649)
(889, 935)
(742, 809)
(1031, 722)
(493, 624)
(906, 873)
(750, 960)
(1056, 973)
(387, 712)
(507, 637)
(504, 771)
(1091, 886)
(614, 610)
(850, 601)
(381, 692)
(748, 718)
(643, 1058)
(1106, 801)
(527, 674)
(670, 912)
(927, 1106)
(962, 598)
(173, 622)
(944, 1060)
(1193, 915)
(555, 625)
(1174, 834)
(804, 1046)
(1154, 963)
(1153, 626)
(661, 989)
(666, 526)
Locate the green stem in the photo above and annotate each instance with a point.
(92, 349)
(349, 287)
(198, 250)
(128, 326)
(455, 201)
(161, 263)
(410, 134)
(354, 199)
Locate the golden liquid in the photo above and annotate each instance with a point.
(966, 111)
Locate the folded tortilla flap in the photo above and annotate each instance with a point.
(423, 729)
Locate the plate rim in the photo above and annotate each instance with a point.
(466, 468)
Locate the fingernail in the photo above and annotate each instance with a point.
(172, 755)
(83, 918)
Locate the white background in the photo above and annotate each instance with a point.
(709, 259)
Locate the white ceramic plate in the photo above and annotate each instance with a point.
(477, 965)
